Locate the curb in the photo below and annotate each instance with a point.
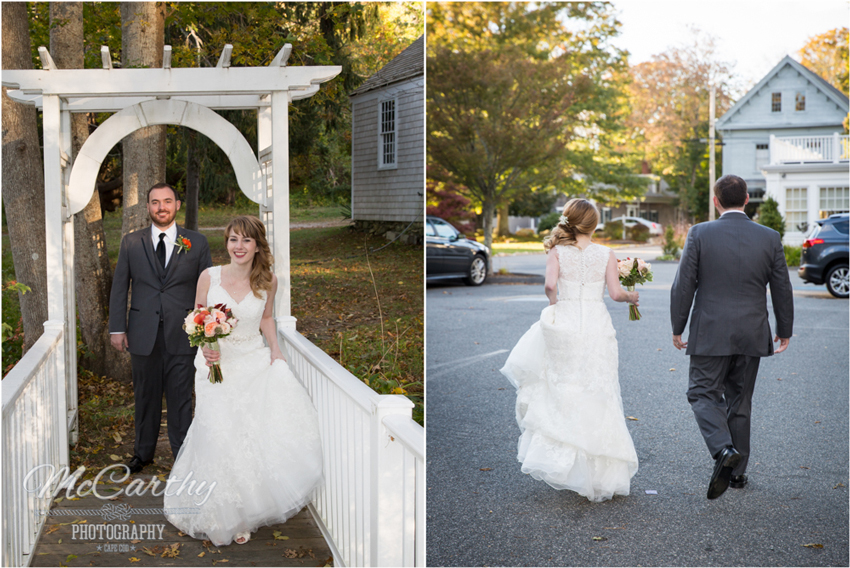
(516, 278)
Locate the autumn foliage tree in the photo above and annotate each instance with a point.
(670, 111)
(827, 55)
(519, 101)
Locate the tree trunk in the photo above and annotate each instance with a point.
(142, 41)
(23, 179)
(488, 210)
(93, 277)
(504, 227)
(193, 179)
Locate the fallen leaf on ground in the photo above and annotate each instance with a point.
(598, 538)
(133, 559)
(485, 469)
(278, 536)
(672, 368)
(172, 551)
(114, 457)
(839, 485)
(813, 545)
(632, 418)
(201, 555)
(613, 528)
(52, 529)
(804, 467)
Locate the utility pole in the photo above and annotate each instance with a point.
(711, 153)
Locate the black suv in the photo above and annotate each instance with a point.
(825, 253)
(452, 255)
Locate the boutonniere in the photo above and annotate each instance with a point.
(183, 244)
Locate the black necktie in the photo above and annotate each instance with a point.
(160, 250)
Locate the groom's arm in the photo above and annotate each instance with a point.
(120, 289)
(781, 292)
(685, 284)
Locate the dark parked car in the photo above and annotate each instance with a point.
(451, 255)
(825, 254)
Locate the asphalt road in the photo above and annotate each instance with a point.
(482, 511)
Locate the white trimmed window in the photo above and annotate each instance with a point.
(762, 155)
(776, 102)
(834, 200)
(387, 134)
(800, 101)
(795, 207)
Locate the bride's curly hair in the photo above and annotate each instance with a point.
(261, 269)
(579, 216)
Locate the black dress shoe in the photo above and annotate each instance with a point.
(136, 464)
(738, 481)
(728, 460)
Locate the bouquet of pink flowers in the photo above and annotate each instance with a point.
(205, 326)
(632, 272)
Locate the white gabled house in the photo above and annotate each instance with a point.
(784, 137)
(388, 143)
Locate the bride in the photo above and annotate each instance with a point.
(568, 406)
(255, 435)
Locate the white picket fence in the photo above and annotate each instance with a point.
(790, 149)
(371, 508)
(35, 432)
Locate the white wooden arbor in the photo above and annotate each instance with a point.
(147, 97)
(371, 507)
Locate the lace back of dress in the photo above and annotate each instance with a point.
(581, 269)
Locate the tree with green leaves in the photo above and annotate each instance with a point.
(769, 216)
(519, 101)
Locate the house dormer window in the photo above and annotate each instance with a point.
(776, 102)
(800, 101)
(387, 137)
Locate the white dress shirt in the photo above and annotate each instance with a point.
(735, 211)
(170, 239)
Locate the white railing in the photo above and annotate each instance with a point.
(809, 149)
(35, 432)
(371, 508)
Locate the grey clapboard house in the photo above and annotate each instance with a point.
(388, 144)
(784, 137)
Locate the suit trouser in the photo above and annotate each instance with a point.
(720, 390)
(155, 374)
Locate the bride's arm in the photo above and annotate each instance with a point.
(612, 278)
(552, 270)
(201, 300)
(267, 324)
(202, 289)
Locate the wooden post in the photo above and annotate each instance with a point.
(280, 221)
(711, 166)
(54, 203)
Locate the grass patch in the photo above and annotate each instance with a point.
(365, 312)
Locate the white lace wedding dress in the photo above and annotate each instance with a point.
(255, 435)
(568, 407)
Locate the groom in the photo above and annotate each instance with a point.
(162, 264)
(728, 264)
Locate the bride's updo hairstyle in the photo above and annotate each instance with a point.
(261, 269)
(579, 216)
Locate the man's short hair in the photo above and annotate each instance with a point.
(731, 191)
(161, 186)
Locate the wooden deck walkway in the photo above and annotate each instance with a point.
(298, 542)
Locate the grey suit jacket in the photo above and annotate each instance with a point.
(169, 292)
(727, 264)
